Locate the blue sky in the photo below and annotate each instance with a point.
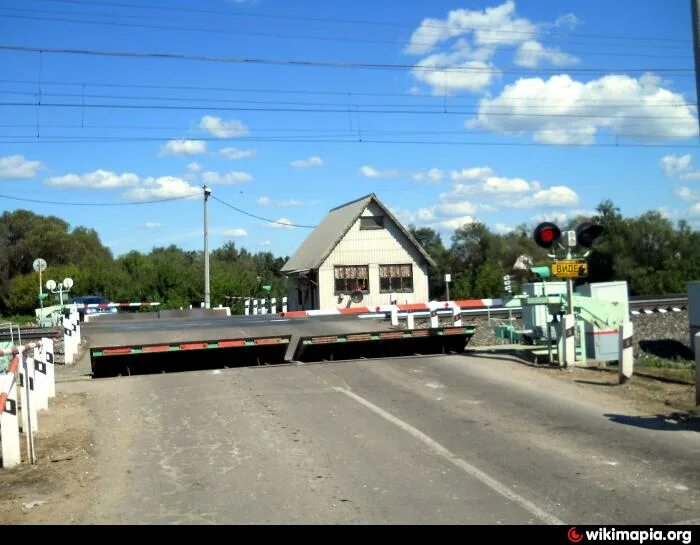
(505, 112)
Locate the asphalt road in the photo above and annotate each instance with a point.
(407, 440)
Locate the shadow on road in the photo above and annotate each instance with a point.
(596, 382)
(661, 422)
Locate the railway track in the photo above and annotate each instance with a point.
(28, 333)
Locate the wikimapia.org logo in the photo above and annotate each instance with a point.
(637, 536)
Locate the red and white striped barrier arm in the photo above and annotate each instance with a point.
(110, 305)
(409, 307)
(10, 379)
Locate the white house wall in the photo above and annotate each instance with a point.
(373, 247)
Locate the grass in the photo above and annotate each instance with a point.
(672, 369)
(18, 319)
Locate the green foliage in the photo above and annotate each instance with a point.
(648, 251)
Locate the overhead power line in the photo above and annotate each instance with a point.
(439, 102)
(363, 140)
(330, 64)
(349, 94)
(260, 217)
(171, 9)
(65, 203)
(51, 16)
(343, 110)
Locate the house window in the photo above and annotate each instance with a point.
(371, 222)
(349, 278)
(395, 278)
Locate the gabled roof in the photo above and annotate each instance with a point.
(334, 226)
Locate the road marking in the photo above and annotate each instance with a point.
(465, 466)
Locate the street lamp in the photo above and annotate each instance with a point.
(60, 288)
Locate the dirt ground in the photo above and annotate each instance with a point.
(61, 487)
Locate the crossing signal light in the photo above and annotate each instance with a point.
(587, 233)
(546, 234)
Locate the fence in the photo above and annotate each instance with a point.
(32, 377)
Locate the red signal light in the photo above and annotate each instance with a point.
(546, 234)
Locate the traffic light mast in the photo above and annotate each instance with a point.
(548, 234)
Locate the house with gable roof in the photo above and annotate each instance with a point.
(359, 255)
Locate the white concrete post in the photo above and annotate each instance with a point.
(568, 325)
(47, 357)
(697, 368)
(394, 316)
(247, 307)
(456, 316)
(434, 321)
(561, 342)
(9, 424)
(76, 343)
(67, 342)
(255, 307)
(27, 399)
(273, 310)
(625, 362)
(410, 320)
(41, 387)
(263, 306)
(284, 304)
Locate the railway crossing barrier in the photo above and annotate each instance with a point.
(33, 375)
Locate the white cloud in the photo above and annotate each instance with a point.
(264, 201)
(555, 196)
(680, 166)
(561, 218)
(99, 179)
(233, 233)
(223, 128)
(531, 53)
(230, 178)
(194, 166)
(447, 74)
(265, 243)
(235, 153)
(371, 172)
(183, 147)
(462, 208)
(313, 161)
(492, 25)
(475, 173)
(686, 194)
(568, 20)
(456, 223)
(290, 203)
(495, 184)
(17, 167)
(152, 225)
(164, 187)
(572, 112)
(281, 223)
(477, 35)
(502, 229)
(433, 175)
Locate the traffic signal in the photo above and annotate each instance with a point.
(587, 232)
(546, 234)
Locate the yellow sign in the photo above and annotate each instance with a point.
(570, 268)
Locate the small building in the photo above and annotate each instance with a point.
(359, 255)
